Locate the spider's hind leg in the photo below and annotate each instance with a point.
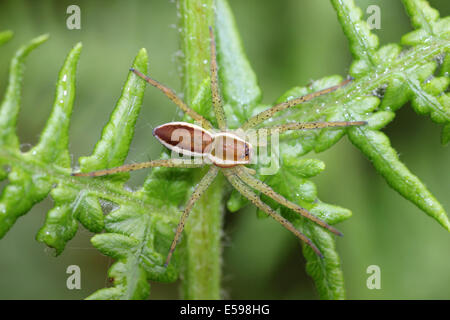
(172, 96)
(204, 183)
(170, 163)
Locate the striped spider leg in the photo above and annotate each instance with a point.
(225, 151)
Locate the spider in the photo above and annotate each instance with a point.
(225, 151)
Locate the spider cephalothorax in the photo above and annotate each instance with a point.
(225, 151)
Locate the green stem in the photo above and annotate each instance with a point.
(201, 258)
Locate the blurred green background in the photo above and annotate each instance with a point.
(289, 43)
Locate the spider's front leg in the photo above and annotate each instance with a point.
(261, 135)
(312, 125)
(266, 114)
(268, 191)
(247, 192)
(216, 99)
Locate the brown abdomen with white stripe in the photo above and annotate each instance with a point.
(183, 137)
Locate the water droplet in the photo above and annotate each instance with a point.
(24, 147)
(108, 206)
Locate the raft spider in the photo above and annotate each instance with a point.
(229, 158)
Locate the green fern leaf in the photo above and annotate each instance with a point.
(292, 182)
(25, 187)
(83, 205)
(139, 229)
(139, 241)
(5, 36)
(404, 76)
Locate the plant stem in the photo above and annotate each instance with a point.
(201, 257)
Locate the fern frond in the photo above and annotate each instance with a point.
(25, 187)
(139, 229)
(46, 169)
(72, 204)
(386, 78)
(405, 74)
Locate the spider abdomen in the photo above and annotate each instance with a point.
(183, 137)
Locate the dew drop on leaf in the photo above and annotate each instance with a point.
(108, 206)
(24, 147)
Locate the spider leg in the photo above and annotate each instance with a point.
(268, 191)
(170, 163)
(311, 125)
(199, 189)
(172, 96)
(266, 114)
(249, 170)
(253, 197)
(216, 100)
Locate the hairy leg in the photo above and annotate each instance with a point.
(217, 101)
(249, 170)
(247, 192)
(268, 191)
(172, 96)
(313, 125)
(268, 131)
(199, 189)
(266, 114)
(170, 163)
